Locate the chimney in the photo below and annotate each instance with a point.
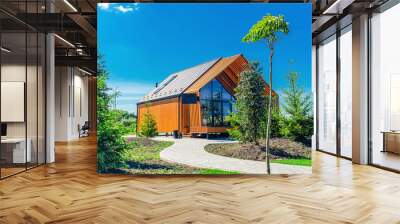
(156, 84)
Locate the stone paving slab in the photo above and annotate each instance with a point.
(190, 151)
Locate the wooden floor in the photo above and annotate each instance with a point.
(70, 191)
(5, 172)
(386, 159)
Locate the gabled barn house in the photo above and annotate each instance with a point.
(197, 100)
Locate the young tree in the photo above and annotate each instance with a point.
(128, 120)
(149, 125)
(250, 104)
(110, 141)
(277, 119)
(266, 30)
(298, 111)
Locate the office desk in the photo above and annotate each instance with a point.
(13, 150)
(391, 141)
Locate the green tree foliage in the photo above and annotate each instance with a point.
(250, 105)
(111, 145)
(298, 121)
(293, 119)
(149, 125)
(267, 29)
(276, 123)
(276, 120)
(233, 131)
(128, 120)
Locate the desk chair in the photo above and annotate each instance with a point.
(84, 130)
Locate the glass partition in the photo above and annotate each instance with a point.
(327, 95)
(346, 92)
(22, 88)
(385, 89)
(14, 153)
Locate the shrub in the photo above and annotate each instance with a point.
(111, 145)
(277, 121)
(298, 122)
(149, 125)
(233, 131)
(250, 104)
(128, 120)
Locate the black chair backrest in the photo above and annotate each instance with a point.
(86, 125)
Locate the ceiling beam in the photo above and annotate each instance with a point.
(78, 61)
(84, 24)
(337, 7)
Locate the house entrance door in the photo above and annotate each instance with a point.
(186, 119)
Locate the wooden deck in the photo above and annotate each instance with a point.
(205, 130)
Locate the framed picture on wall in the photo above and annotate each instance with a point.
(185, 88)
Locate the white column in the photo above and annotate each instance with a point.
(314, 93)
(360, 90)
(50, 101)
(63, 97)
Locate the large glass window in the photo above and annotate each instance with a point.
(327, 95)
(15, 149)
(22, 93)
(385, 89)
(346, 92)
(216, 104)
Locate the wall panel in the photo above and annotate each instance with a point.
(165, 112)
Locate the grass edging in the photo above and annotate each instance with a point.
(144, 158)
(293, 162)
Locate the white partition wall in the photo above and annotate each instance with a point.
(71, 102)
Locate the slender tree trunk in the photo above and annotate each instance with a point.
(267, 149)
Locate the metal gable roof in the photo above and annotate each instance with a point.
(216, 70)
(178, 82)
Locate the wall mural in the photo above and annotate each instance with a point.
(186, 88)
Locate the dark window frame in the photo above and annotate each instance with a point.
(28, 32)
(210, 120)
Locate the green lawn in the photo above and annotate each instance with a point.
(217, 171)
(296, 162)
(144, 158)
(141, 153)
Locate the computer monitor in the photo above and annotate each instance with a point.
(3, 130)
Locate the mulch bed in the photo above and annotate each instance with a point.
(151, 166)
(281, 148)
(146, 142)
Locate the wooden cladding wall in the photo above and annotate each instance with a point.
(228, 83)
(191, 117)
(165, 112)
(231, 67)
(219, 67)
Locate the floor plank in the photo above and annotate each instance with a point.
(70, 191)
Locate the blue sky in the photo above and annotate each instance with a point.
(142, 43)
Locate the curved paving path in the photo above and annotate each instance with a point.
(190, 151)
